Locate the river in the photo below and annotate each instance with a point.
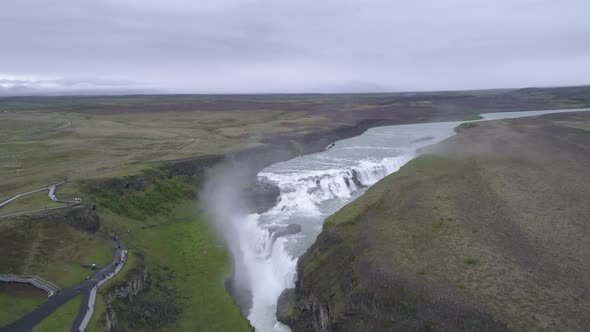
(312, 188)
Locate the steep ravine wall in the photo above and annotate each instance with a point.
(136, 280)
(339, 289)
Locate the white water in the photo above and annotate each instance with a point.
(314, 187)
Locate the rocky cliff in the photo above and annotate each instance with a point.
(125, 290)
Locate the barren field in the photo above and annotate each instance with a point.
(45, 139)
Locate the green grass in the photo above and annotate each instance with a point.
(54, 251)
(185, 260)
(62, 318)
(16, 300)
(158, 198)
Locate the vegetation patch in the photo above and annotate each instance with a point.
(158, 198)
(470, 261)
(188, 269)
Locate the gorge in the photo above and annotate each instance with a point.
(266, 246)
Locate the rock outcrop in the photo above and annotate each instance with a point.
(287, 312)
(82, 217)
(261, 196)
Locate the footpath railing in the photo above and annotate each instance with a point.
(36, 281)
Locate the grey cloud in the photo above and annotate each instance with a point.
(298, 45)
(67, 86)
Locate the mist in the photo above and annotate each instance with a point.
(223, 200)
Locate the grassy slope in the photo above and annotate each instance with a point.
(55, 252)
(492, 222)
(62, 318)
(17, 300)
(185, 257)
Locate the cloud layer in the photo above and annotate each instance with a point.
(295, 45)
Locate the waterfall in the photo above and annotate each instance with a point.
(270, 265)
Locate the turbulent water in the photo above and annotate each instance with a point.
(314, 187)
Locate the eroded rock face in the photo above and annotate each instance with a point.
(82, 217)
(423, 139)
(278, 231)
(287, 312)
(346, 292)
(262, 195)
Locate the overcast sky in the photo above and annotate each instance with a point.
(254, 46)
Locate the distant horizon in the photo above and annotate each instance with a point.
(123, 93)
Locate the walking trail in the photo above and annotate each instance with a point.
(51, 194)
(83, 318)
(85, 289)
